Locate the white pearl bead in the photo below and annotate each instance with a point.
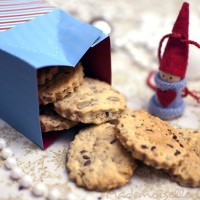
(39, 189)
(2, 143)
(53, 194)
(16, 173)
(6, 153)
(10, 163)
(26, 181)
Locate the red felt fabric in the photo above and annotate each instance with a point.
(166, 97)
(175, 56)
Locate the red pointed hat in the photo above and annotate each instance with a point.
(175, 56)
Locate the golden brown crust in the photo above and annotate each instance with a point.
(187, 173)
(62, 84)
(45, 74)
(97, 161)
(149, 139)
(51, 121)
(93, 102)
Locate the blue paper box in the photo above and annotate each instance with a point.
(53, 38)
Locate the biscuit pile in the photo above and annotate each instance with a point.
(157, 144)
(104, 155)
(67, 98)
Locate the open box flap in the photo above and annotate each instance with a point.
(55, 38)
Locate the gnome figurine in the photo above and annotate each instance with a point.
(170, 80)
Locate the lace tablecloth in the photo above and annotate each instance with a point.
(137, 27)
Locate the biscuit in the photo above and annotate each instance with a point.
(51, 121)
(62, 84)
(45, 74)
(97, 161)
(190, 138)
(149, 139)
(187, 173)
(93, 102)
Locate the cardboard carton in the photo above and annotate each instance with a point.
(53, 38)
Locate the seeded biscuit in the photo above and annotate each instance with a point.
(93, 102)
(45, 74)
(97, 161)
(149, 139)
(187, 173)
(51, 121)
(62, 84)
(189, 137)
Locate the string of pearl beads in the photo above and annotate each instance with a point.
(26, 181)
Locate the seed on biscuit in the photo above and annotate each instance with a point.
(88, 162)
(113, 98)
(86, 157)
(83, 151)
(83, 104)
